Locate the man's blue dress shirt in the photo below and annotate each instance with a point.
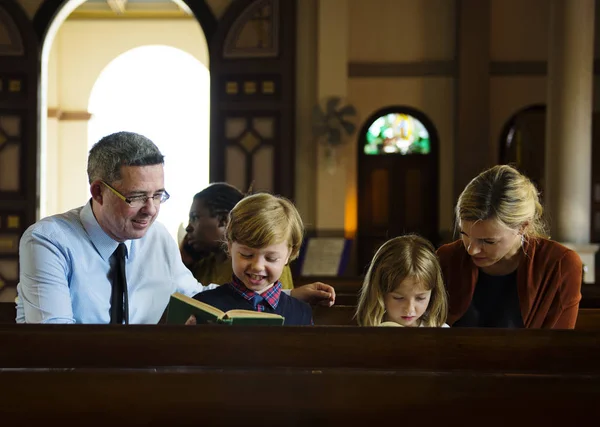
(65, 267)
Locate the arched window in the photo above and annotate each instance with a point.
(397, 133)
(397, 179)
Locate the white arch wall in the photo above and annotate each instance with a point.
(81, 50)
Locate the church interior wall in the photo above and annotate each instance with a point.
(401, 35)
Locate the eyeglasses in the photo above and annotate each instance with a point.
(139, 201)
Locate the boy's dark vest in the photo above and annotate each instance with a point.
(225, 298)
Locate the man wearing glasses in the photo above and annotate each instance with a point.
(106, 262)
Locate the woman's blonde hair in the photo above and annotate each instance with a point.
(403, 257)
(262, 219)
(504, 194)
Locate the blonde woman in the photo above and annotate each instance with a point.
(403, 286)
(504, 271)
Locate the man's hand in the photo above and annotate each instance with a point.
(315, 293)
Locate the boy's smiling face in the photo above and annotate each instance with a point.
(260, 268)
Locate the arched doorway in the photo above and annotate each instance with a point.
(522, 142)
(69, 74)
(397, 179)
(252, 66)
(175, 116)
(252, 52)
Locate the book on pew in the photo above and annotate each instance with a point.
(389, 323)
(181, 307)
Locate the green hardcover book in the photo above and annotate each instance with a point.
(181, 307)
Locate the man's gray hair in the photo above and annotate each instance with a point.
(121, 149)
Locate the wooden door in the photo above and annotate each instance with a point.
(397, 190)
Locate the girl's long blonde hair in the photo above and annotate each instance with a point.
(397, 259)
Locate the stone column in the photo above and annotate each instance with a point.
(332, 80)
(568, 162)
(569, 120)
(472, 145)
(305, 191)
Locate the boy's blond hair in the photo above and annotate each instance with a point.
(263, 219)
(397, 259)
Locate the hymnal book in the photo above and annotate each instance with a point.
(390, 323)
(181, 307)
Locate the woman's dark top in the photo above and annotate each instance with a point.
(495, 303)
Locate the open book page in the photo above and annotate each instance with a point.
(255, 321)
(201, 305)
(249, 313)
(390, 324)
(252, 318)
(181, 307)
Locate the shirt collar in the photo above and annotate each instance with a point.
(103, 243)
(271, 296)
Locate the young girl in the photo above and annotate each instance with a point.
(403, 286)
(263, 234)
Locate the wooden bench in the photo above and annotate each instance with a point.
(347, 289)
(588, 319)
(151, 346)
(297, 398)
(8, 312)
(171, 375)
(343, 315)
(338, 315)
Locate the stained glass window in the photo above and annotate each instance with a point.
(397, 133)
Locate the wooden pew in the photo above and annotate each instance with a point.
(8, 312)
(338, 315)
(297, 398)
(588, 319)
(343, 315)
(171, 375)
(342, 285)
(347, 289)
(151, 346)
(590, 296)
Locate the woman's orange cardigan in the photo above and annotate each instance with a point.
(549, 279)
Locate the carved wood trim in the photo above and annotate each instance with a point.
(57, 113)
